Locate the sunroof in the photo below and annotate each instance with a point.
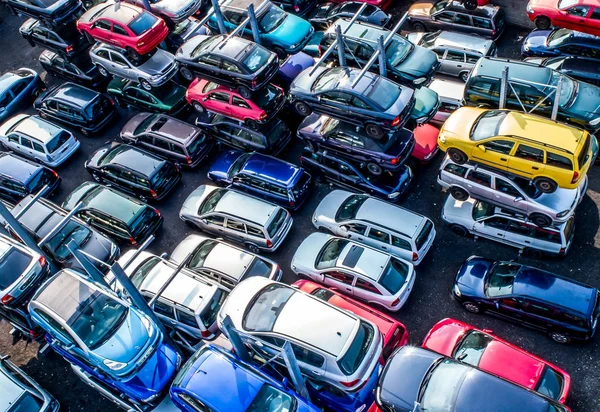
(353, 256)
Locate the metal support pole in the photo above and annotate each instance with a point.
(146, 4)
(382, 57)
(503, 89)
(86, 264)
(60, 225)
(253, 23)
(341, 49)
(292, 364)
(168, 282)
(219, 16)
(557, 98)
(34, 199)
(238, 346)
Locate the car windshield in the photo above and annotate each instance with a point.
(271, 19)
(269, 399)
(488, 124)
(97, 317)
(58, 141)
(558, 37)
(397, 50)
(329, 79)
(57, 246)
(43, 177)
(350, 207)
(26, 403)
(266, 306)
(237, 165)
(471, 347)
(205, 45)
(258, 268)
(352, 359)
(277, 222)
(145, 124)
(256, 59)
(276, 132)
(209, 314)
(330, 253)
(13, 264)
(501, 278)
(439, 388)
(551, 383)
(394, 276)
(565, 4)
(200, 254)
(428, 39)
(329, 125)
(137, 277)
(568, 91)
(211, 201)
(142, 23)
(482, 209)
(267, 97)
(384, 92)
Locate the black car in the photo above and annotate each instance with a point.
(20, 177)
(562, 307)
(170, 138)
(76, 106)
(269, 138)
(586, 69)
(43, 216)
(134, 171)
(356, 177)
(326, 13)
(78, 68)
(53, 12)
(236, 62)
(24, 327)
(341, 139)
(297, 7)
(64, 39)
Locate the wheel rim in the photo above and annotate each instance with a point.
(253, 248)
(464, 76)
(374, 169)
(471, 307)
(186, 74)
(559, 337)
(147, 86)
(540, 220)
(459, 194)
(457, 230)
(244, 92)
(102, 71)
(456, 157)
(418, 27)
(252, 124)
(374, 131)
(302, 108)
(544, 185)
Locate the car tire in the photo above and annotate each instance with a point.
(84, 132)
(542, 22)
(459, 193)
(470, 4)
(458, 156)
(279, 52)
(143, 198)
(459, 230)
(540, 219)
(545, 185)
(374, 169)
(11, 9)
(245, 92)
(253, 248)
(89, 38)
(252, 124)
(186, 73)
(418, 26)
(96, 178)
(472, 307)
(374, 131)
(198, 107)
(103, 71)
(132, 53)
(559, 337)
(464, 76)
(145, 84)
(302, 108)
(533, 253)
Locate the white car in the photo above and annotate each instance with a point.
(357, 270)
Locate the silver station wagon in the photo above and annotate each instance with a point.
(236, 216)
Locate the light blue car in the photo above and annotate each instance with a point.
(18, 88)
(279, 31)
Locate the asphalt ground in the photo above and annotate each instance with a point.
(430, 299)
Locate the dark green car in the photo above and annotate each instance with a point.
(168, 98)
(119, 216)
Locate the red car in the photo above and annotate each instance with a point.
(580, 15)
(125, 26)
(426, 146)
(260, 108)
(491, 354)
(394, 332)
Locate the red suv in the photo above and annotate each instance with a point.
(125, 26)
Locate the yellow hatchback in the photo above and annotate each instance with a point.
(551, 154)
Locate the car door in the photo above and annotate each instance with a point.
(444, 20)
(187, 323)
(40, 35)
(64, 112)
(494, 151)
(508, 307)
(527, 161)
(347, 176)
(573, 17)
(379, 239)
(355, 231)
(27, 147)
(538, 315)
(367, 291)
(493, 227)
(462, 23)
(507, 194)
(102, 29)
(120, 35)
(121, 67)
(334, 103)
(166, 313)
(594, 18)
(219, 102)
(240, 109)
(454, 62)
(547, 239)
(479, 184)
(13, 141)
(210, 65)
(520, 234)
(235, 229)
(338, 280)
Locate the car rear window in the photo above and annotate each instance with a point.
(58, 141)
(352, 359)
(301, 185)
(394, 276)
(142, 23)
(583, 155)
(267, 97)
(329, 255)
(164, 175)
(26, 403)
(420, 240)
(266, 306)
(209, 314)
(499, 19)
(258, 268)
(551, 383)
(196, 145)
(41, 178)
(256, 59)
(384, 92)
(13, 264)
(277, 222)
(277, 132)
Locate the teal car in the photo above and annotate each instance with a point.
(168, 98)
(427, 103)
(279, 31)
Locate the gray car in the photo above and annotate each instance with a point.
(510, 192)
(457, 52)
(450, 94)
(171, 11)
(151, 70)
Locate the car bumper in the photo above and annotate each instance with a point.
(282, 237)
(65, 155)
(96, 128)
(404, 296)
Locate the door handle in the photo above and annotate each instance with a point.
(503, 159)
(527, 241)
(499, 234)
(535, 168)
(349, 290)
(384, 247)
(459, 65)
(359, 238)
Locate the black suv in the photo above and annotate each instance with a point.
(76, 106)
(78, 68)
(134, 171)
(236, 62)
(52, 12)
(65, 40)
(270, 138)
(20, 177)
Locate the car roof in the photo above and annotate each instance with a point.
(577, 64)
(17, 168)
(582, 38)
(462, 41)
(364, 260)
(7, 80)
(359, 29)
(232, 47)
(174, 129)
(311, 321)
(524, 71)
(74, 94)
(132, 158)
(270, 168)
(123, 14)
(38, 128)
(229, 260)
(347, 75)
(390, 216)
(112, 203)
(11, 391)
(254, 210)
(243, 4)
(448, 88)
(548, 287)
(37, 216)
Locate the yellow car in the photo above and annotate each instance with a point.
(551, 154)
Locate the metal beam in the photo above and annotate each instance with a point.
(168, 282)
(382, 57)
(557, 98)
(503, 89)
(34, 199)
(253, 23)
(60, 225)
(216, 9)
(292, 365)
(238, 346)
(86, 263)
(341, 48)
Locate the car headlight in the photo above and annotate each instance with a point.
(442, 138)
(151, 398)
(148, 325)
(393, 195)
(420, 80)
(525, 46)
(114, 365)
(456, 291)
(563, 213)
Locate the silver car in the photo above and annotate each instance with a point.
(379, 224)
(171, 11)
(451, 94)
(510, 192)
(150, 70)
(222, 262)
(457, 52)
(241, 218)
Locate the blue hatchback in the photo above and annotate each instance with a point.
(216, 380)
(18, 88)
(263, 176)
(561, 42)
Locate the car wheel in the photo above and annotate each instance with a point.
(459, 193)
(144, 83)
(97, 178)
(459, 230)
(89, 37)
(198, 107)
(302, 108)
(132, 53)
(253, 248)
(84, 132)
(540, 220)
(251, 124)
(472, 307)
(245, 92)
(374, 169)
(186, 73)
(143, 198)
(458, 156)
(464, 76)
(374, 131)
(533, 253)
(280, 52)
(36, 93)
(470, 4)
(542, 22)
(545, 184)
(418, 26)
(103, 71)
(560, 337)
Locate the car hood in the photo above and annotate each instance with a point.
(331, 203)
(294, 65)
(472, 273)
(311, 125)
(460, 122)
(426, 101)
(425, 138)
(305, 80)
(537, 39)
(221, 165)
(444, 336)
(561, 199)
(420, 62)
(312, 47)
(189, 46)
(128, 342)
(587, 101)
(308, 250)
(156, 373)
(420, 8)
(160, 61)
(98, 246)
(292, 31)
(459, 208)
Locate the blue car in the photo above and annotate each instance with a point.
(216, 380)
(267, 177)
(560, 42)
(110, 342)
(18, 88)
(279, 31)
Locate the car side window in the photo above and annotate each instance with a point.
(595, 14)
(482, 23)
(118, 59)
(13, 138)
(237, 101)
(340, 277)
(401, 243)
(379, 235)
(186, 318)
(118, 29)
(103, 54)
(558, 161)
(38, 147)
(499, 146)
(462, 19)
(364, 52)
(486, 87)
(102, 24)
(254, 231)
(580, 11)
(18, 88)
(26, 143)
(368, 286)
(455, 56)
(507, 188)
(496, 222)
(547, 235)
(539, 309)
(308, 356)
(480, 178)
(472, 58)
(530, 153)
(231, 67)
(54, 324)
(455, 169)
(358, 102)
(356, 228)
(163, 309)
(162, 144)
(210, 60)
(220, 97)
(215, 220)
(337, 97)
(520, 228)
(347, 171)
(235, 225)
(445, 16)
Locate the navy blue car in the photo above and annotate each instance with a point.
(563, 308)
(416, 379)
(267, 177)
(561, 42)
(216, 380)
(18, 88)
(20, 177)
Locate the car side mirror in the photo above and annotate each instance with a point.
(519, 198)
(482, 148)
(344, 228)
(462, 356)
(497, 305)
(205, 221)
(205, 98)
(69, 347)
(595, 122)
(164, 256)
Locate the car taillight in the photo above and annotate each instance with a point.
(7, 299)
(396, 121)
(263, 116)
(153, 194)
(205, 333)
(157, 212)
(575, 177)
(394, 303)
(292, 203)
(54, 173)
(561, 251)
(188, 160)
(415, 257)
(320, 50)
(493, 32)
(352, 383)
(133, 242)
(34, 334)
(297, 8)
(254, 83)
(140, 43)
(69, 49)
(269, 243)
(42, 261)
(395, 161)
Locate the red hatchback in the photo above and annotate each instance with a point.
(394, 333)
(125, 26)
(580, 15)
(260, 108)
(491, 354)
(426, 145)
